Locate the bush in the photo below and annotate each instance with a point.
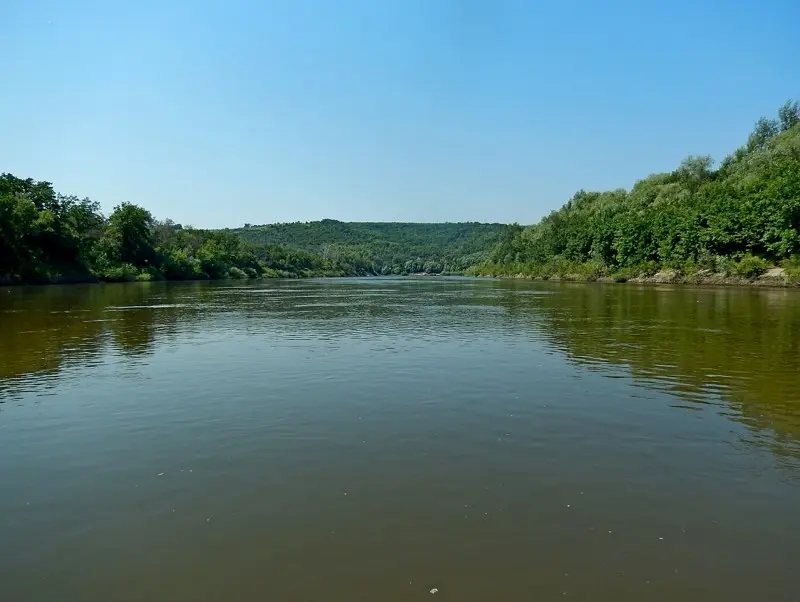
(177, 264)
(237, 273)
(707, 261)
(120, 273)
(624, 274)
(791, 267)
(648, 268)
(726, 266)
(751, 266)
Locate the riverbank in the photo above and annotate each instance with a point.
(146, 277)
(773, 277)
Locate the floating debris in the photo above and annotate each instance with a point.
(434, 590)
(161, 474)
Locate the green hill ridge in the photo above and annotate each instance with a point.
(384, 247)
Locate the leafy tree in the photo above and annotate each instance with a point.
(48, 237)
(736, 219)
(694, 170)
(129, 235)
(382, 248)
(789, 115)
(762, 132)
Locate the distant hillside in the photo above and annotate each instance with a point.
(384, 247)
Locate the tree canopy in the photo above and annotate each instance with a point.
(385, 247)
(737, 219)
(50, 237)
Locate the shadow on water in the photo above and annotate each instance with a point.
(735, 349)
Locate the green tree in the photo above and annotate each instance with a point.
(694, 170)
(744, 214)
(129, 236)
(762, 132)
(789, 115)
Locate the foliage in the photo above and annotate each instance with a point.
(383, 248)
(42, 233)
(791, 268)
(736, 220)
(751, 266)
(48, 237)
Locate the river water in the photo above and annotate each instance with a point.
(380, 439)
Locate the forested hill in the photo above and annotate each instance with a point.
(385, 247)
(46, 236)
(695, 223)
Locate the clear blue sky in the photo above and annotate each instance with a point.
(220, 113)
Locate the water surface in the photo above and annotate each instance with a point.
(374, 439)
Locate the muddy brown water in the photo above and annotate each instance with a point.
(374, 439)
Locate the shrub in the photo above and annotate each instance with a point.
(648, 268)
(178, 264)
(707, 261)
(237, 273)
(751, 266)
(726, 266)
(791, 267)
(121, 273)
(623, 274)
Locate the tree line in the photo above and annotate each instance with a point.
(738, 219)
(46, 236)
(386, 247)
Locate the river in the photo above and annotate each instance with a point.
(383, 439)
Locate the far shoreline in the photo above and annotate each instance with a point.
(773, 278)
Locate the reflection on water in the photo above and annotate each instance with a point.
(735, 348)
(345, 439)
(738, 349)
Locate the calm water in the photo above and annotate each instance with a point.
(347, 440)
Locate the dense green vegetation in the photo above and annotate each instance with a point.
(385, 248)
(736, 220)
(50, 237)
(695, 222)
